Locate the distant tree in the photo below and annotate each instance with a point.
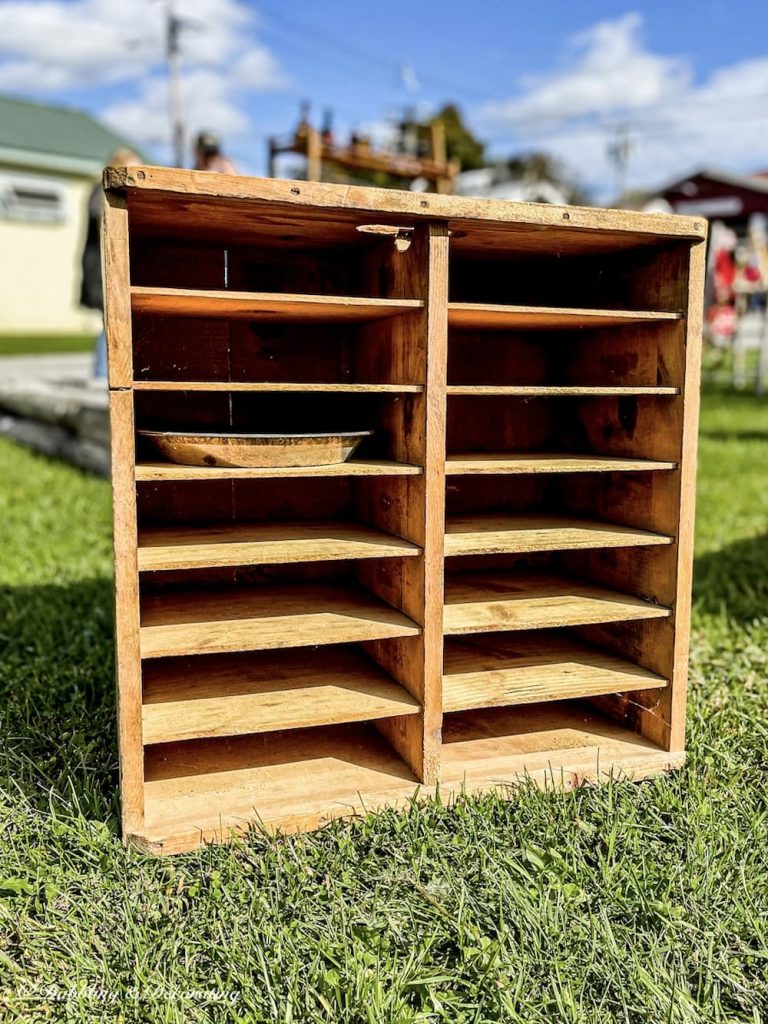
(539, 166)
(460, 143)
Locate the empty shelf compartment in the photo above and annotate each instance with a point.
(259, 618)
(486, 602)
(561, 744)
(493, 533)
(220, 544)
(208, 789)
(236, 694)
(525, 668)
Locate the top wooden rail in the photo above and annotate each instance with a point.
(362, 199)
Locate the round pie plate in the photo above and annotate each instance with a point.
(248, 451)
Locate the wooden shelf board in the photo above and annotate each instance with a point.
(556, 390)
(277, 386)
(486, 602)
(198, 547)
(267, 305)
(480, 314)
(232, 695)
(260, 618)
(525, 668)
(548, 462)
(493, 533)
(213, 790)
(354, 467)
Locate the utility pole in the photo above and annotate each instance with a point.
(173, 28)
(618, 153)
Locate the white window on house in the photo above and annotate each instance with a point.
(24, 197)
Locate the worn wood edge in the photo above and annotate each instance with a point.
(115, 268)
(492, 463)
(352, 467)
(555, 778)
(438, 240)
(127, 628)
(687, 501)
(417, 205)
(476, 311)
(555, 391)
(277, 386)
(142, 297)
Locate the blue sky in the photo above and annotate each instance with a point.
(688, 82)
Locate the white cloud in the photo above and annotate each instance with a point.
(611, 70)
(613, 79)
(72, 45)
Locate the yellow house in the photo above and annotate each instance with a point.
(50, 158)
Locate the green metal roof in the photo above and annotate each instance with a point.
(54, 132)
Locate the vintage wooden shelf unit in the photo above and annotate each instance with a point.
(498, 583)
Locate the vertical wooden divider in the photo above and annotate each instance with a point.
(415, 349)
(117, 322)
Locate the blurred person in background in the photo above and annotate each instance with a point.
(92, 288)
(209, 157)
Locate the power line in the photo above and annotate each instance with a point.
(369, 58)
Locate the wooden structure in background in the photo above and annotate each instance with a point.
(307, 141)
(497, 585)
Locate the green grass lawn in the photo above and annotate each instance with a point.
(628, 903)
(23, 345)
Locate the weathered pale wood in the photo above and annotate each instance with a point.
(270, 386)
(560, 744)
(489, 534)
(478, 314)
(233, 695)
(265, 306)
(353, 467)
(487, 601)
(117, 297)
(291, 615)
(675, 740)
(547, 462)
(210, 792)
(238, 543)
(574, 226)
(253, 267)
(414, 348)
(555, 391)
(127, 649)
(526, 668)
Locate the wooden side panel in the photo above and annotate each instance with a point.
(128, 657)
(687, 471)
(117, 290)
(414, 508)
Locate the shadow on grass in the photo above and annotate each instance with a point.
(57, 694)
(734, 580)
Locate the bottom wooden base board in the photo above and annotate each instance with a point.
(211, 791)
